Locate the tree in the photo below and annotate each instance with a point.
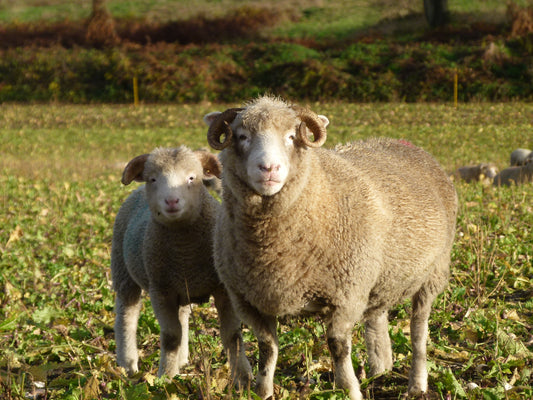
(436, 12)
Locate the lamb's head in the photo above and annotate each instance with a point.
(173, 180)
(265, 136)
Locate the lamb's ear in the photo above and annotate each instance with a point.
(134, 170)
(324, 120)
(210, 163)
(209, 118)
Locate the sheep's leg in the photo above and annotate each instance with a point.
(230, 332)
(264, 327)
(167, 311)
(340, 346)
(378, 343)
(422, 302)
(127, 309)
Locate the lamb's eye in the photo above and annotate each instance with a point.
(242, 138)
(190, 179)
(153, 180)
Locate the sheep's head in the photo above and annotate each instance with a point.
(488, 171)
(173, 180)
(264, 136)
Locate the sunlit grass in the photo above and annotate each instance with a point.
(60, 190)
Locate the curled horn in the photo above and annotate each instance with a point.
(310, 120)
(221, 126)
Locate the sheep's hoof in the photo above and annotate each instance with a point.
(416, 390)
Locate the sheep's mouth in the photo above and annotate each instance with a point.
(269, 182)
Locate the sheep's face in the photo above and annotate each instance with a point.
(265, 157)
(172, 190)
(266, 137)
(488, 171)
(173, 180)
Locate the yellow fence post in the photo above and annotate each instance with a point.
(135, 91)
(455, 89)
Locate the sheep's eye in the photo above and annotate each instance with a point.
(152, 180)
(190, 179)
(242, 138)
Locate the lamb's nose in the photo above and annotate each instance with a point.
(172, 202)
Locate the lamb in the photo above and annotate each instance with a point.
(517, 175)
(484, 172)
(342, 234)
(162, 242)
(519, 156)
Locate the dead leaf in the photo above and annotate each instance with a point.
(15, 235)
(91, 389)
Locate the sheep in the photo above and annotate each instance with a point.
(519, 156)
(162, 244)
(343, 234)
(517, 175)
(484, 172)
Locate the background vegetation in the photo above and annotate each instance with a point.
(182, 51)
(60, 180)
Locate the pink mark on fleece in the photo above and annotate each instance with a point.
(406, 143)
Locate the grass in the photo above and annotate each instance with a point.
(61, 167)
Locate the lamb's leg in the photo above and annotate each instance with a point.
(167, 311)
(378, 343)
(230, 332)
(183, 352)
(340, 346)
(127, 308)
(264, 327)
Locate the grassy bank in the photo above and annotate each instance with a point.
(357, 51)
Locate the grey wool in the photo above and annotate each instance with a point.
(162, 244)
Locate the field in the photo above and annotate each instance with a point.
(60, 180)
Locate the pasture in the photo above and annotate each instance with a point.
(60, 178)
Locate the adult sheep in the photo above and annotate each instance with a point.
(344, 234)
(519, 157)
(162, 242)
(484, 172)
(517, 175)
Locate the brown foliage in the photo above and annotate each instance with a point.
(521, 19)
(102, 30)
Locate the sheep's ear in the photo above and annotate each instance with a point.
(324, 120)
(134, 170)
(209, 118)
(210, 163)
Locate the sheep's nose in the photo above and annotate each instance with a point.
(172, 202)
(269, 167)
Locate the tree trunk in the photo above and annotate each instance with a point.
(101, 26)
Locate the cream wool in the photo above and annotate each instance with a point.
(345, 233)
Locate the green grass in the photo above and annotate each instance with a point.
(318, 18)
(61, 168)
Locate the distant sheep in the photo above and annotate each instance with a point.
(162, 241)
(345, 233)
(517, 175)
(484, 172)
(519, 157)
